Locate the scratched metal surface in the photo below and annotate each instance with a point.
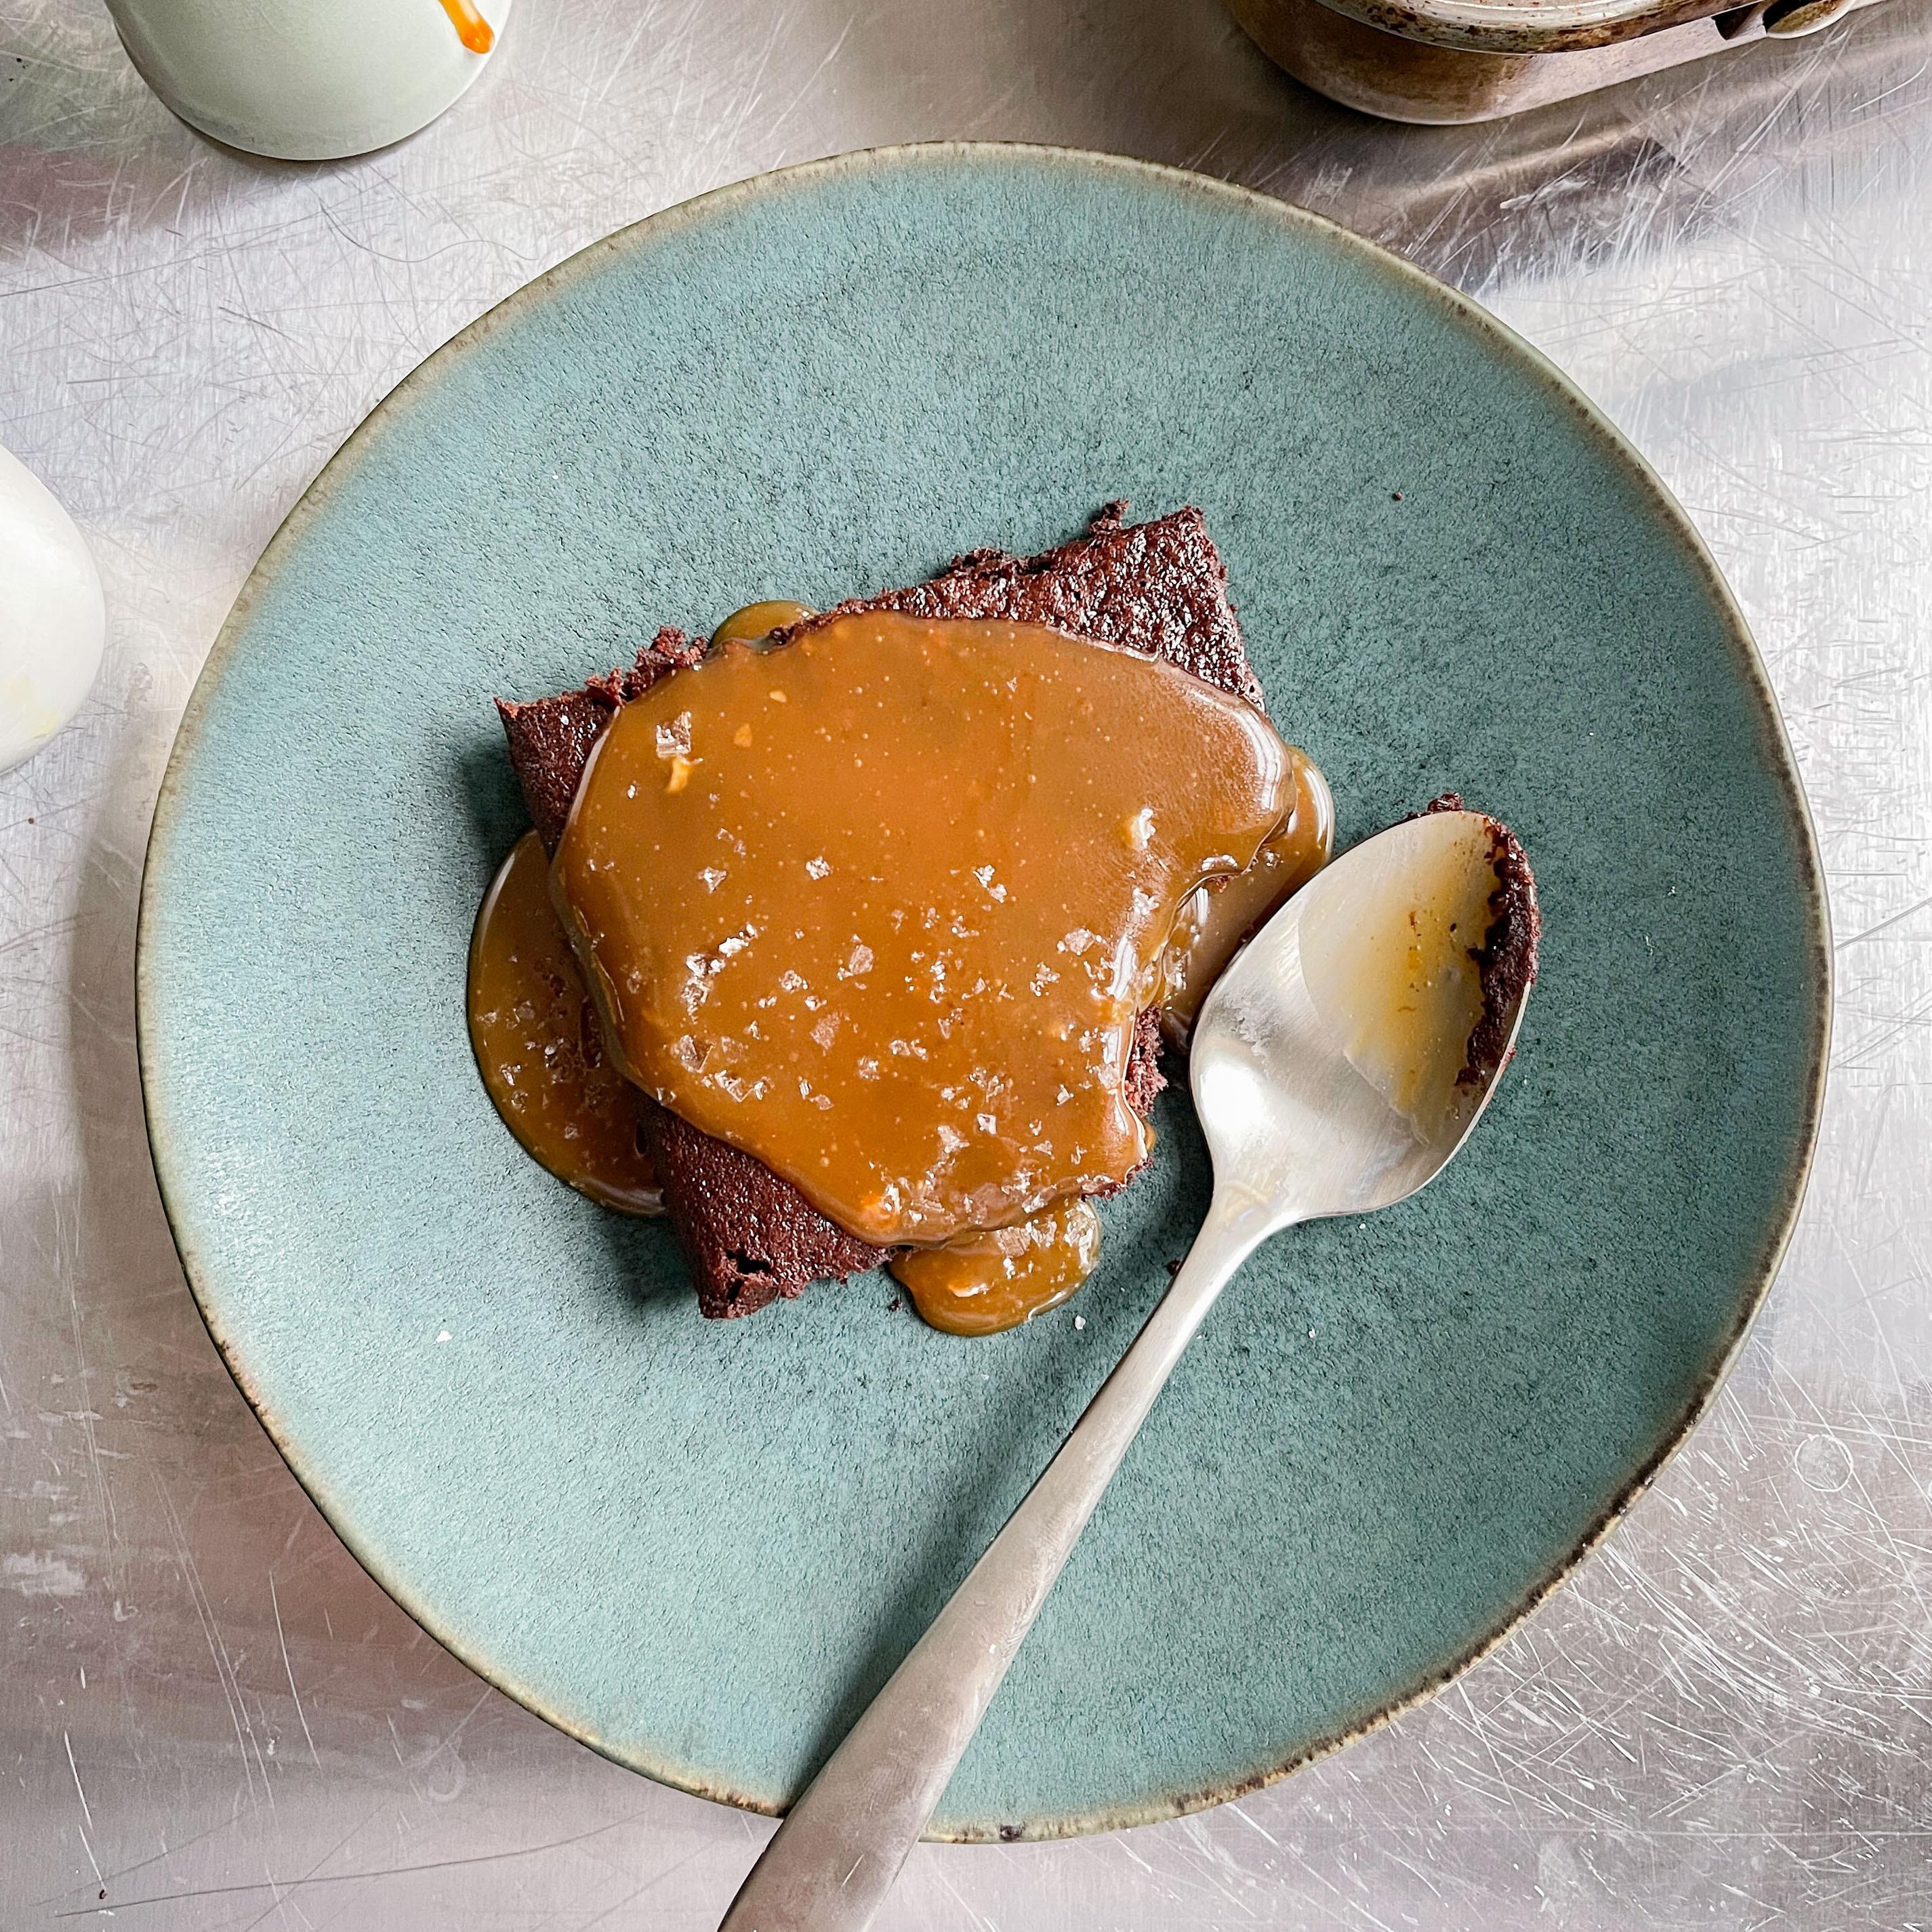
(210, 1718)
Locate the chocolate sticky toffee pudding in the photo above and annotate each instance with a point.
(882, 910)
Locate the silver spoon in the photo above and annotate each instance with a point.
(1331, 1068)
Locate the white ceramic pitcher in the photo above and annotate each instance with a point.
(309, 80)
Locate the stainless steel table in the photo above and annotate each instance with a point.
(209, 1717)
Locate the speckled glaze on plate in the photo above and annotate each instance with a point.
(701, 1546)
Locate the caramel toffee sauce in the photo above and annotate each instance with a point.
(882, 907)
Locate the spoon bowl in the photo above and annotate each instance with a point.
(1319, 1093)
(1337, 1066)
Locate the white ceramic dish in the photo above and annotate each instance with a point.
(53, 620)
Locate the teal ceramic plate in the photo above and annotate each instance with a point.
(702, 1547)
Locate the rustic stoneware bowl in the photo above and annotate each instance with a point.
(701, 1546)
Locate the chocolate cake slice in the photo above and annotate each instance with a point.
(1160, 588)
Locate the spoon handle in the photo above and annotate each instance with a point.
(841, 1845)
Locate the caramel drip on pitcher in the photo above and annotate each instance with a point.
(472, 29)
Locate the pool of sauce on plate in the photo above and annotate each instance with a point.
(472, 29)
(539, 1047)
(978, 1284)
(882, 907)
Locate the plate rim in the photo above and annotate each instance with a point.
(1462, 311)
